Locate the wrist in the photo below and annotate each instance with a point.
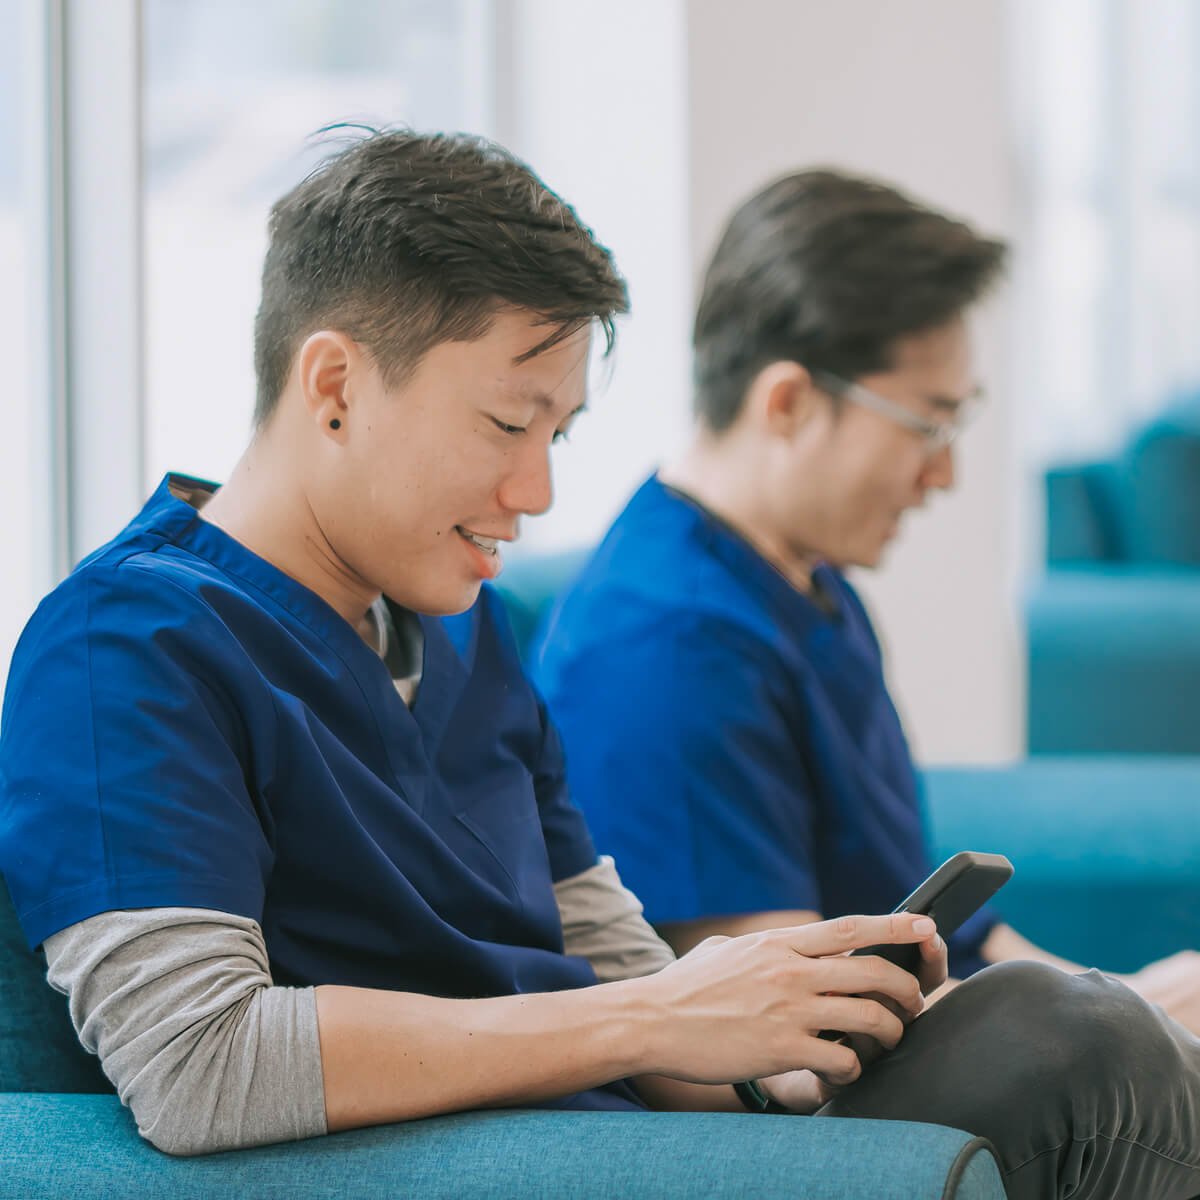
(641, 1024)
(799, 1092)
(756, 1098)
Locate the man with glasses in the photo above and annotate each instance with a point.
(717, 682)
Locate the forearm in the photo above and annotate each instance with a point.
(677, 1095)
(394, 1056)
(683, 936)
(1005, 943)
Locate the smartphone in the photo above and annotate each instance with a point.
(957, 889)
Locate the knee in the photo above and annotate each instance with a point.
(1072, 1026)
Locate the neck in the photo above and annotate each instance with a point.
(726, 478)
(265, 506)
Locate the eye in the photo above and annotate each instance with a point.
(511, 430)
(561, 435)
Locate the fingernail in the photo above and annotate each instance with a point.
(924, 926)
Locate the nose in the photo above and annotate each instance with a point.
(939, 470)
(529, 488)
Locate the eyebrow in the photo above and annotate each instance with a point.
(543, 400)
(946, 404)
(949, 404)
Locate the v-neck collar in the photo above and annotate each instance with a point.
(411, 736)
(790, 607)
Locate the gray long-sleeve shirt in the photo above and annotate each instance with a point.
(204, 1048)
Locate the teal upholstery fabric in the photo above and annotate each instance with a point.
(1106, 850)
(1114, 660)
(1114, 625)
(1081, 513)
(39, 1051)
(71, 1147)
(1158, 513)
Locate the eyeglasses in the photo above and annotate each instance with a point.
(936, 435)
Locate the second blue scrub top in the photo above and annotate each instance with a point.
(184, 724)
(732, 741)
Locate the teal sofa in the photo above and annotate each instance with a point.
(65, 1136)
(1107, 856)
(1113, 623)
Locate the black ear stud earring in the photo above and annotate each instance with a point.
(335, 424)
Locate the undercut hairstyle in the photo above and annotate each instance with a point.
(828, 270)
(405, 240)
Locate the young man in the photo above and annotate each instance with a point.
(300, 854)
(716, 680)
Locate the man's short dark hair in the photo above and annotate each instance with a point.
(828, 270)
(405, 240)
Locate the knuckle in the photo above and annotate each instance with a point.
(875, 967)
(846, 928)
(871, 1014)
(779, 974)
(848, 1066)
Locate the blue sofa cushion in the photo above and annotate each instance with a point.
(1158, 512)
(1106, 850)
(1081, 513)
(67, 1147)
(1114, 660)
(39, 1051)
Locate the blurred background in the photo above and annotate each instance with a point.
(142, 142)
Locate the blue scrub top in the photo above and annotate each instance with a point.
(731, 742)
(184, 724)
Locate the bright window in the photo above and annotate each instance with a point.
(21, 409)
(234, 93)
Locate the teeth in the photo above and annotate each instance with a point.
(486, 544)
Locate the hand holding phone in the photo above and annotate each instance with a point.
(954, 892)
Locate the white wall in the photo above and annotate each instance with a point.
(596, 102)
(917, 93)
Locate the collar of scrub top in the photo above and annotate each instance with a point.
(801, 614)
(411, 736)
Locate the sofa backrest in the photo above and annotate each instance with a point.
(39, 1051)
(1141, 506)
(1159, 471)
(1081, 518)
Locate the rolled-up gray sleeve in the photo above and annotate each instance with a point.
(602, 921)
(201, 1045)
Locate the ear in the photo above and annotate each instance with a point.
(782, 398)
(325, 366)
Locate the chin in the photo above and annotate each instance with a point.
(450, 605)
(868, 559)
(441, 602)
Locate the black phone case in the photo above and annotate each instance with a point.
(955, 891)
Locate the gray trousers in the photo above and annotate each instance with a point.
(1083, 1089)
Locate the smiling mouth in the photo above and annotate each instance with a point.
(489, 545)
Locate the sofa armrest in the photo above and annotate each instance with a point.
(1106, 850)
(77, 1147)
